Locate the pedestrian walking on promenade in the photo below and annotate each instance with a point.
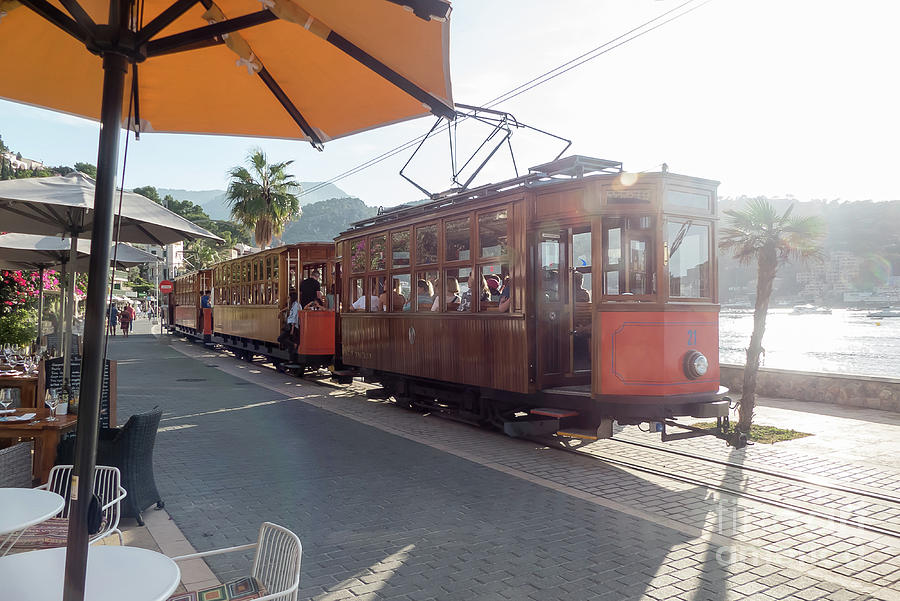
(126, 319)
(112, 320)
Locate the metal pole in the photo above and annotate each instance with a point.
(61, 321)
(114, 68)
(70, 309)
(40, 313)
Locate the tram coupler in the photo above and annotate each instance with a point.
(720, 431)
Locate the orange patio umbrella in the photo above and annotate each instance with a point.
(313, 70)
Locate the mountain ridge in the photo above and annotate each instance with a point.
(213, 201)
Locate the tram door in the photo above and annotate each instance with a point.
(564, 312)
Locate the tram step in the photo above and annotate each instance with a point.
(343, 376)
(555, 413)
(581, 433)
(530, 427)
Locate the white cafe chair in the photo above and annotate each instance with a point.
(54, 532)
(276, 565)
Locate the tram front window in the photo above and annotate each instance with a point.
(688, 246)
(628, 256)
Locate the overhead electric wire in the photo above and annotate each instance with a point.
(565, 67)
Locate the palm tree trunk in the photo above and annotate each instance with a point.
(765, 278)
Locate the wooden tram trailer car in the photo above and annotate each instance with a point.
(250, 303)
(634, 340)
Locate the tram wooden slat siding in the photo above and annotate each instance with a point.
(487, 351)
(186, 315)
(259, 322)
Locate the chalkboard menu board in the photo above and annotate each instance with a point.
(53, 378)
(54, 341)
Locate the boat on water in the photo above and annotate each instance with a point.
(885, 313)
(808, 309)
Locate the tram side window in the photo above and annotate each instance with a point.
(457, 240)
(494, 275)
(549, 249)
(493, 234)
(426, 245)
(425, 296)
(377, 250)
(357, 302)
(456, 285)
(628, 256)
(377, 290)
(400, 249)
(396, 298)
(688, 245)
(358, 260)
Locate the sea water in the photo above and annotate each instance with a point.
(845, 342)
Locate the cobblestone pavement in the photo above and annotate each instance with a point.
(393, 504)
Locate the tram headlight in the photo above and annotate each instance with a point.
(695, 365)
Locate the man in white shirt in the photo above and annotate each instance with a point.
(360, 304)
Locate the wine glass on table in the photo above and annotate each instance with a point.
(52, 401)
(5, 398)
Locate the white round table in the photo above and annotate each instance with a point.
(113, 574)
(24, 507)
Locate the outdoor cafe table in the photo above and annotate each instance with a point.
(27, 386)
(45, 434)
(113, 574)
(24, 507)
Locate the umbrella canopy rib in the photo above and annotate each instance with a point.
(57, 17)
(175, 42)
(290, 108)
(434, 105)
(164, 19)
(156, 240)
(81, 17)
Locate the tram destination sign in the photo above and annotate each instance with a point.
(53, 379)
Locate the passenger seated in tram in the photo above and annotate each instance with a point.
(453, 298)
(504, 296)
(581, 295)
(360, 303)
(424, 297)
(493, 282)
(466, 301)
(393, 299)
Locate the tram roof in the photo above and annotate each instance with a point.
(561, 170)
(564, 169)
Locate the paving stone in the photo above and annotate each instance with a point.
(382, 516)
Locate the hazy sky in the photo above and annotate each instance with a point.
(770, 97)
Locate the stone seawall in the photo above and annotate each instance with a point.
(853, 391)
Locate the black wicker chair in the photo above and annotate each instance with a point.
(130, 448)
(15, 466)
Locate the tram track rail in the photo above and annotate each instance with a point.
(804, 508)
(818, 482)
(800, 507)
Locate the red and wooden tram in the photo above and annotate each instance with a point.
(250, 295)
(613, 312)
(562, 300)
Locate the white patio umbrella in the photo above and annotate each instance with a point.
(64, 204)
(28, 251)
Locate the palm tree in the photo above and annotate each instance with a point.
(758, 233)
(263, 198)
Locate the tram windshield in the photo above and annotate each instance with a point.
(628, 257)
(688, 244)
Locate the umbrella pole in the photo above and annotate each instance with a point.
(37, 343)
(61, 319)
(70, 310)
(114, 68)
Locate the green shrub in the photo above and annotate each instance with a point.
(18, 327)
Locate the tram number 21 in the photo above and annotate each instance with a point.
(692, 337)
